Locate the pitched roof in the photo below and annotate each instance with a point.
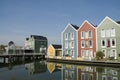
(75, 26)
(39, 37)
(56, 46)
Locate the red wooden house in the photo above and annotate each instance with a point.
(86, 41)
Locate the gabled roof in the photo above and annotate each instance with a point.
(87, 23)
(108, 19)
(71, 25)
(75, 26)
(56, 46)
(39, 37)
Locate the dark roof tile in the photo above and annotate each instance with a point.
(39, 37)
(56, 46)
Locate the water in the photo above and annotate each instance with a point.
(42, 70)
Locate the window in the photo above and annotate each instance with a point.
(86, 44)
(113, 52)
(82, 35)
(113, 42)
(90, 34)
(90, 43)
(86, 34)
(102, 33)
(66, 36)
(108, 42)
(72, 44)
(82, 43)
(72, 36)
(72, 52)
(103, 43)
(112, 32)
(90, 53)
(82, 53)
(108, 33)
(87, 54)
(66, 44)
(104, 51)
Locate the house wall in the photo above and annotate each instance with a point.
(108, 24)
(66, 51)
(85, 28)
(51, 51)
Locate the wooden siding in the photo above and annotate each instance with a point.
(87, 27)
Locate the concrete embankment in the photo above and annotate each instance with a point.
(83, 62)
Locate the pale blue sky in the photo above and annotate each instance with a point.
(21, 18)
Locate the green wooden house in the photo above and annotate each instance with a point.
(36, 43)
(108, 38)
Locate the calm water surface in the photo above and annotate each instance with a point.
(42, 70)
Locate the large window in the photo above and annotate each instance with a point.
(66, 44)
(112, 32)
(72, 44)
(113, 42)
(86, 34)
(72, 36)
(66, 36)
(86, 44)
(108, 33)
(82, 43)
(82, 35)
(90, 34)
(102, 33)
(90, 43)
(103, 42)
(104, 51)
(113, 53)
(82, 53)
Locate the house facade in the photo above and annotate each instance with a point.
(36, 43)
(86, 40)
(54, 50)
(69, 41)
(108, 38)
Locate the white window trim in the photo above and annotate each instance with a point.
(82, 32)
(86, 34)
(92, 44)
(111, 42)
(113, 35)
(102, 32)
(105, 55)
(111, 52)
(83, 42)
(66, 45)
(101, 43)
(66, 36)
(72, 36)
(89, 34)
(72, 45)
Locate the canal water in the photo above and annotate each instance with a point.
(42, 70)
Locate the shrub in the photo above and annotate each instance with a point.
(99, 55)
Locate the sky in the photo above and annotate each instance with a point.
(21, 18)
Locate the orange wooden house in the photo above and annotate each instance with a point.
(54, 50)
(86, 41)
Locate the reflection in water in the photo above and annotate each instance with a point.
(80, 72)
(36, 67)
(42, 70)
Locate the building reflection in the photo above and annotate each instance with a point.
(53, 67)
(86, 73)
(108, 73)
(69, 72)
(78, 72)
(36, 67)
